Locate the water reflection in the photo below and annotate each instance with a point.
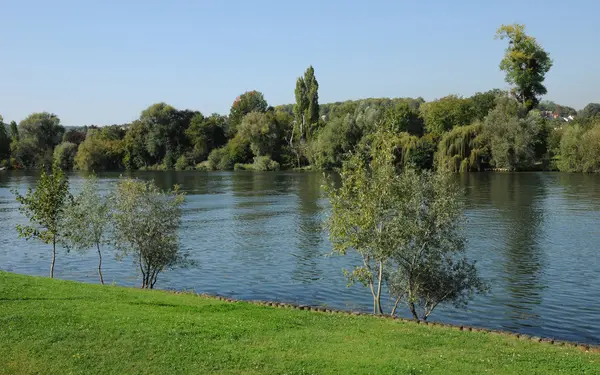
(259, 236)
(308, 228)
(519, 203)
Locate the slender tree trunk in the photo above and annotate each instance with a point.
(380, 277)
(53, 257)
(413, 310)
(100, 263)
(395, 306)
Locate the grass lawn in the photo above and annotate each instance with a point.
(61, 327)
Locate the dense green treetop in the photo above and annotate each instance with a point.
(525, 63)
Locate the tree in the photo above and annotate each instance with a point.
(4, 141)
(14, 132)
(146, 221)
(444, 114)
(64, 155)
(262, 132)
(517, 139)
(164, 136)
(428, 266)
(206, 134)
(401, 118)
(306, 109)
(463, 149)
(38, 134)
(97, 153)
(44, 207)
(75, 136)
(591, 110)
(250, 101)
(86, 221)
(406, 228)
(525, 63)
(484, 102)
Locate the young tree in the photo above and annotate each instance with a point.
(428, 266)
(44, 207)
(87, 220)
(525, 63)
(146, 221)
(406, 228)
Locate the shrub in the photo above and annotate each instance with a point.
(265, 163)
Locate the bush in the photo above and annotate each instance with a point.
(184, 163)
(219, 159)
(204, 166)
(265, 163)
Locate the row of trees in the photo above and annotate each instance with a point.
(136, 219)
(494, 129)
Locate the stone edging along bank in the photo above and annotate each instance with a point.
(583, 347)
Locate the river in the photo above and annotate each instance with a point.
(535, 237)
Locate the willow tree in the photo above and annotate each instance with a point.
(525, 63)
(45, 207)
(463, 149)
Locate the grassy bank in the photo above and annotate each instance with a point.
(59, 327)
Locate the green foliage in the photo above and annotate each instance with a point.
(262, 132)
(97, 153)
(525, 63)
(406, 228)
(306, 109)
(516, 141)
(44, 207)
(463, 149)
(402, 118)
(64, 155)
(561, 110)
(484, 102)
(250, 101)
(75, 136)
(33, 143)
(184, 162)
(580, 149)
(591, 111)
(4, 141)
(444, 114)
(14, 132)
(337, 138)
(146, 221)
(206, 134)
(86, 221)
(265, 163)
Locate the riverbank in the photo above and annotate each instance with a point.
(56, 327)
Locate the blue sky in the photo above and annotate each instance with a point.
(103, 61)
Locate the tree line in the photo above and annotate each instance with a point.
(513, 130)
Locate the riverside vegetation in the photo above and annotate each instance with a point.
(510, 130)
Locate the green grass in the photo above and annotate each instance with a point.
(60, 327)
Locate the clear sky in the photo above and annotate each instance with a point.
(103, 61)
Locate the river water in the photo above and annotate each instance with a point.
(535, 237)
